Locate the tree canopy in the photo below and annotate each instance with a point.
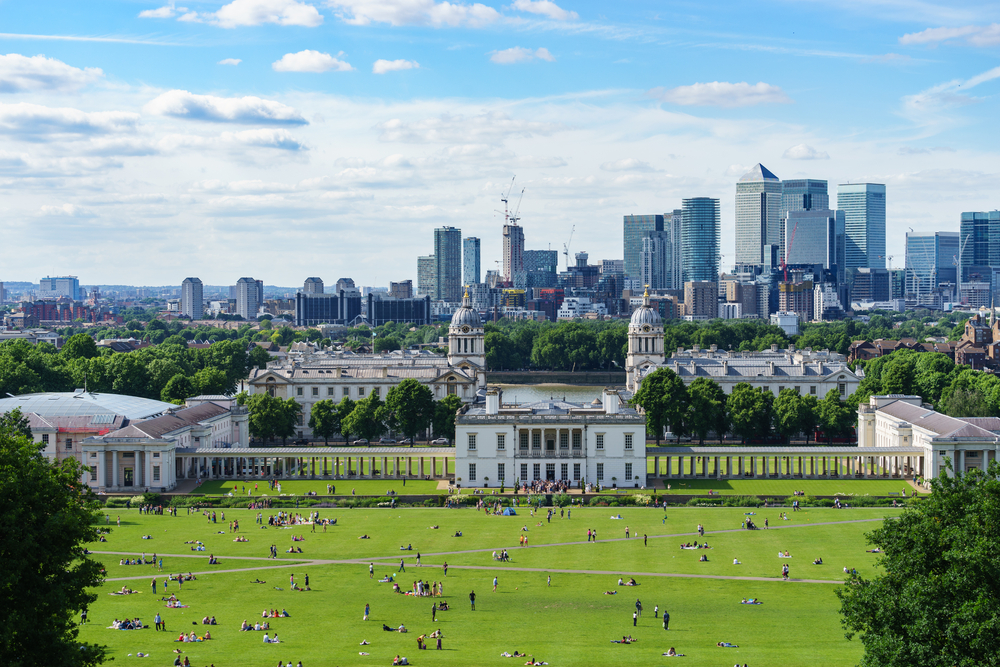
(409, 407)
(664, 398)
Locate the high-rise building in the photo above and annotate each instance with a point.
(513, 251)
(656, 255)
(63, 286)
(448, 264)
(673, 222)
(816, 237)
(426, 275)
(611, 267)
(540, 268)
(931, 259)
(863, 205)
(3, 295)
(701, 299)
(635, 228)
(401, 290)
(804, 194)
(192, 298)
(758, 217)
(249, 297)
(979, 241)
(471, 270)
(700, 239)
(313, 286)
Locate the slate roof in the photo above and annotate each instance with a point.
(941, 425)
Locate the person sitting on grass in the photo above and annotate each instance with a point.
(703, 559)
(443, 606)
(818, 561)
(401, 628)
(400, 661)
(672, 652)
(364, 537)
(611, 592)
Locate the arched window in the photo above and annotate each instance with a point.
(270, 387)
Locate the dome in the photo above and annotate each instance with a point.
(645, 315)
(466, 316)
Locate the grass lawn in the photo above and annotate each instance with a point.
(344, 487)
(570, 623)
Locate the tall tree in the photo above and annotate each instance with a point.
(934, 598)
(664, 398)
(344, 408)
(323, 419)
(367, 419)
(79, 346)
(707, 409)
(46, 578)
(444, 416)
(809, 415)
(409, 407)
(835, 416)
(289, 414)
(749, 411)
(788, 413)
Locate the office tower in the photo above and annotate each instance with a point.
(700, 244)
(804, 194)
(656, 254)
(979, 241)
(513, 251)
(313, 286)
(448, 264)
(871, 285)
(635, 228)
(931, 259)
(816, 237)
(863, 205)
(612, 267)
(540, 268)
(3, 294)
(758, 217)
(701, 298)
(63, 286)
(401, 290)
(192, 298)
(426, 275)
(673, 222)
(249, 297)
(470, 261)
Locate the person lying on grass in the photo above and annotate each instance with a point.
(672, 653)
(727, 645)
(751, 601)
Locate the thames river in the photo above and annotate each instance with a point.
(529, 393)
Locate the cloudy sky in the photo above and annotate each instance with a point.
(144, 142)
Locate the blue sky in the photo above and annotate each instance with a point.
(143, 142)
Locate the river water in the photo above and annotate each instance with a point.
(530, 393)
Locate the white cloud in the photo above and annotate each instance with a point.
(257, 12)
(518, 54)
(33, 121)
(722, 94)
(987, 35)
(310, 61)
(929, 108)
(251, 110)
(910, 150)
(165, 12)
(491, 127)
(627, 164)
(28, 73)
(264, 138)
(230, 61)
(545, 8)
(383, 66)
(66, 211)
(414, 12)
(804, 152)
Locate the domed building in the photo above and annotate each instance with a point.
(467, 341)
(645, 342)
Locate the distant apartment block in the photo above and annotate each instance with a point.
(192, 298)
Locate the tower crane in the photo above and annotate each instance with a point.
(514, 217)
(505, 197)
(567, 245)
(887, 258)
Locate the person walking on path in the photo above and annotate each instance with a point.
(418, 559)
(666, 620)
(494, 584)
(371, 570)
(645, 540)
(402, 566)
(635, 618)
(638, 607)
(472, 599)
(367, 609)
(784, 572)
(656, 610)
(550, 581)
(446, 568)
(626, 532)
(153, 584)
(588, 534)
(434, 612)
(765, 524)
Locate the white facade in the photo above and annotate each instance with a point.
(580, 306)
(550, 441)
(789, 322)
(192, 298)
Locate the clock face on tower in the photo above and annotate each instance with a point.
(466, 329)
(645, 328)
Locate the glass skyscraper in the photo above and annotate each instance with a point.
(816, 237)
(863, 205)
(931, 259)
(804, 194)
(979, 242)
(426, 275)
(700, 220)
(470, 261)
(635, 229)
(758, 216)
(448, 264)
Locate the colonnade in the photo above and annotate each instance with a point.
(818, 465)
(194, 466)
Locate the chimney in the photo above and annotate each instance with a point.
(611, 402)
(492, 402)
(774, 348)
(385, 371)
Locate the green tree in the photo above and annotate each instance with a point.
(367, 419)
(664, 398)
(16, 424)
(967, 403)
(444, 416)
(611, 344)
(750, 411)
(707, 409)
(323, 419)
(788, 413)
(835, 416)
(46, 578)
(177, 389)
(258, 357)
(933, 599)
(809, 415)
(409, 407)
(211, 381)
(386, 344)
(272, 417)
(79, 346)
(344, 408)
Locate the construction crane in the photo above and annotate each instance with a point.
(567, 245)
(888, 258)
(505, 197)
(515, 215)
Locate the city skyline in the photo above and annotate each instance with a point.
(306, 135)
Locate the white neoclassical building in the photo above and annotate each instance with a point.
(550, 441)
(897, 422)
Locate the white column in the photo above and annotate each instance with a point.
(148, 470)
(101, 473)
(136, 468)
(114, 469)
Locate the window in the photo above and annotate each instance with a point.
(842, 388)
(346, 392)
(156, 473)
(500, 472)
(156, 455)
(472, 442)
(69, 443)
(628, 471)
(298, 391)
(577, 438)
(600, 472)
(563, 440)
(628, 441)
(330, 391)
(452, 389)
(537, 469)
(524, 472)
(501, 441)
(298, 421)
(536, 440)
(798, 389)
(600, 441)
(361, 392)
(45, 438)
(550, 471)
(564, 471)
(524, 439)
(780, 389)
(315, 391)
(576, 472)
(472, 472)
(812, 389)
(376, 391)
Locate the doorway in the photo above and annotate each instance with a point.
(128, 477)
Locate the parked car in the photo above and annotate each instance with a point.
(301, 441)
(387, 441)
(441, 441)
(360, 441)
(406, 441)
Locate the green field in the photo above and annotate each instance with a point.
(344, 487)
(570, 623)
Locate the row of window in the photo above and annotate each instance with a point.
(550, 472)
(331, 392)
(536, 441)
(841, 388)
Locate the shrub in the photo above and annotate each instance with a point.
(150, 498)
(116, 502)
(561, 500)
(741, 501)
